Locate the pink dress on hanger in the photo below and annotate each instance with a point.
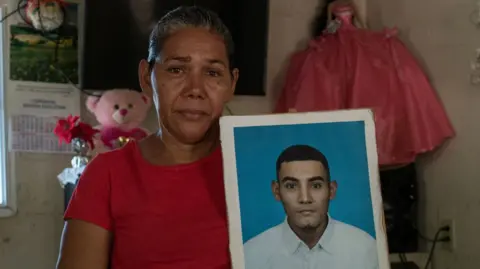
(358, 68)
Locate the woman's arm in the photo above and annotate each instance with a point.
(88, 230)
(84, 246)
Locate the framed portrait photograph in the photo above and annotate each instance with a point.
(303, 191)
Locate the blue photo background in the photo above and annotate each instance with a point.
(343, 143)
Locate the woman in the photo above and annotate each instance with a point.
(159, 203)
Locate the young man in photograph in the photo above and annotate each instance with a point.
(309, 237)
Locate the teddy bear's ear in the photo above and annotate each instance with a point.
(91, 103)
(146, 99)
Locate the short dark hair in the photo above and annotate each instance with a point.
(185, 17)
(302, 153)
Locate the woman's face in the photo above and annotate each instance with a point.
(190, 83)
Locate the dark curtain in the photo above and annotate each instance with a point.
(116, 39)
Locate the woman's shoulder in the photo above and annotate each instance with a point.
(115, 156)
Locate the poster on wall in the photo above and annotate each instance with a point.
(303, 191)
(46, 57)
(42, 73)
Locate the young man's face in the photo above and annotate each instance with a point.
(304, 189)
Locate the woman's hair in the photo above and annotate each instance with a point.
(186, 17)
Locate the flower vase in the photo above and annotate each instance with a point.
(69, 176)
(79, 162)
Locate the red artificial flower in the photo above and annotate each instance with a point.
(86, 132)
(64, 128)
(68, 129)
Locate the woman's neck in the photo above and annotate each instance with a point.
(167, 150)
(181, 153)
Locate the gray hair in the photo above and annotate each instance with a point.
(184, 17)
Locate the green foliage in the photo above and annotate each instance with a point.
(33, 55)
(33, 63)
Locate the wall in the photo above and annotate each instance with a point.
(31, 238)
(440, 33)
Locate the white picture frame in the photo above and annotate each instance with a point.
(231, 148)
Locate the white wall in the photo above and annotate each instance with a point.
(30, 239)
(440, 33)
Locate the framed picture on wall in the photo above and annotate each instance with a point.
(303, 191)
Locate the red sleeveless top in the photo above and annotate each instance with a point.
(161, 217)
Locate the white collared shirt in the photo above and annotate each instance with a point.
(341, 246)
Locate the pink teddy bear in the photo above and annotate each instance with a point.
(120, 114)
